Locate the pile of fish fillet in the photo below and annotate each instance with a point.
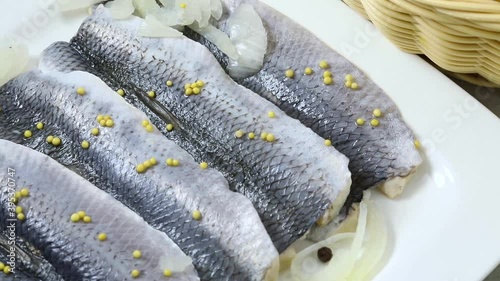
(127, 157)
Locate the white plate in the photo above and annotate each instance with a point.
(446, 226)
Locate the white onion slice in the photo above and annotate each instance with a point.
(216, 9)
(152, 27)
(175, 263)
(356, 255)
(250, 39)
(14, 60)
(72, 5)
(120, 9)
(219, 38)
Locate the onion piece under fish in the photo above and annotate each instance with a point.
(120, 9)
(14, 58)
(249, 37)
(355, 255)
(217, 37)
(152, 27)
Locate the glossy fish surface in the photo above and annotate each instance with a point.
(55, 195)
(289, 174)
(380, 155)
(127, 157)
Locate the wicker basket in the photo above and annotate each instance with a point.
(460, 36)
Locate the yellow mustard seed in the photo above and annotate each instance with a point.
(175, 162)
(327, 74)
(151, 94)
(6, 270)
(417, 144)
(56, 141)
(188, 92)
(170, 83)
(82, 214)
(354, 86)
(200, 83)
(85, 144)
(169, 162)
(193, 85)
(327, 80)
(140, 168)
(251, 135)
(263, 135)
(289, 73)
(28, 134)
(87, 219)
(21, 217)
(39, 125)
(136, 254)
(110, 123)
(17, 194)
(377, 112)
(238, 134)
(102, 237)
(323, 64)
(348, 77)
(153, 161)
(24, 192)
(196, 90)
(170, 127)
(271, 114)
(348, 84)
(308, 71)
(121, 92)
(103, 122)
(49, 139)
(80, 91)
(187, 86)
(203, 165)
(360, 121)
(328, 142)
(19, 209)
(196, 215)
(167, 273)
(270, 138)
(183, 5)
(94, 131)
(374, 122)
(147, 164)
(99, 117)
(149, 128)
(144, 123)
(75, 217)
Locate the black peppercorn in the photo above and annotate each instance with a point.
(325, 254)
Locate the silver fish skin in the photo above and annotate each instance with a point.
(73, 248)
(228, 243)
(28, 262)
(291, 181)
(379, 156)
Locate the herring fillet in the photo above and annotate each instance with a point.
(379, 156)
(73, 248)
(228, 243)
(291, 181)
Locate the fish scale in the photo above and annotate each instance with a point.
(163, 196)
(72, 248)
(329, 110)
(211, 119)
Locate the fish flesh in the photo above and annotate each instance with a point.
(382, 155)
(291, 177)
(193, 206)
(74, 247)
